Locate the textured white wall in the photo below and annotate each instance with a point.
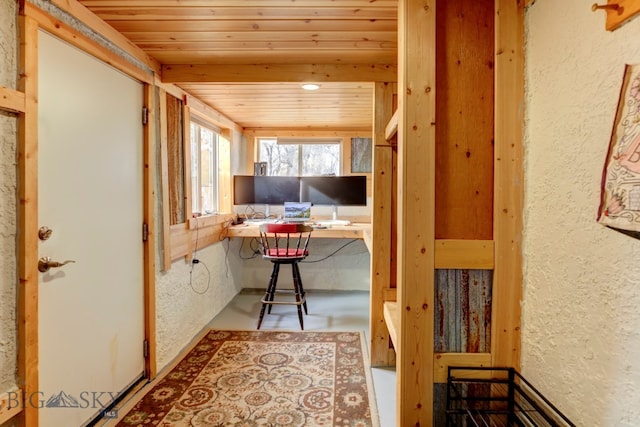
(186, 302)
(348, 269)
(8, 139)
(581, 310)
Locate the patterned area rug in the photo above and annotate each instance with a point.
(264, 378)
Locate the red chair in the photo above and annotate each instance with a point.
(285, 244)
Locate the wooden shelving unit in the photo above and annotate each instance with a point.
(449, 168)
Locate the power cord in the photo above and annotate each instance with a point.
(194, 261)
(255, 250)
(332, 253)
(253, 213)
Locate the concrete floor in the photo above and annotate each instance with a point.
(328, 311)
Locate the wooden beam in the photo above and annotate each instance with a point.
(28, 378)
(508, 183)
(381, 213)
(149, 206)
(416, 211)
(11, 100)
(238, 73)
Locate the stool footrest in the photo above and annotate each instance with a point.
(266, 301)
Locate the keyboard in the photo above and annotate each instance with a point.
(332, 222)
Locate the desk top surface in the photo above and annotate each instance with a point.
(353, 231)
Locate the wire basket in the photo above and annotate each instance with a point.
(497, 397)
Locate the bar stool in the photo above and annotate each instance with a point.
(285, 244)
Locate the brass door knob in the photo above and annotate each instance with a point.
(45, 263)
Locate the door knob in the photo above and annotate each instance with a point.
(45, 263)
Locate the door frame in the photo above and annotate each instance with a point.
(30, 21)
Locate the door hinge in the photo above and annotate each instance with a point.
(145, 115)
(145, 231)
(145, 348)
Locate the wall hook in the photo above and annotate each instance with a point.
(612, 6)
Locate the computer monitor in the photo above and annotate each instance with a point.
(334, 190)
(267, 190)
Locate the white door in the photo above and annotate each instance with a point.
(91, 311)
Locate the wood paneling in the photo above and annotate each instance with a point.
(202, 44)
(464, 150)
(252, 105)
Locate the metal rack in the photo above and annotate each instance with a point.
(497, 397)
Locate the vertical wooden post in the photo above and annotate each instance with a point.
(28, 379)
(508, 184)
(164, 177)
(225, 203)
(149, 185)
(416, 212)
(381, 215)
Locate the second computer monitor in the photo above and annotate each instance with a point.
(334, 190)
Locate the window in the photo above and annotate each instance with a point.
(204, 168)
(300, 157)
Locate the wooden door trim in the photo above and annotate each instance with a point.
(28, 378)
(31, 20)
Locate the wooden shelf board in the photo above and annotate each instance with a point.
(392, 318)
(392, 127)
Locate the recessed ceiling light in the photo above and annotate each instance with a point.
(310, 86)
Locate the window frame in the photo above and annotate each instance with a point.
(196, 161)
(300, 142)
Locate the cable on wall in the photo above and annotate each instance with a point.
(194, 261)
(332, 253)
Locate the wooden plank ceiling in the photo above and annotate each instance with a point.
(248, 58)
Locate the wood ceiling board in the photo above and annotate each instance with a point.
(244, 41)
(261, 26)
